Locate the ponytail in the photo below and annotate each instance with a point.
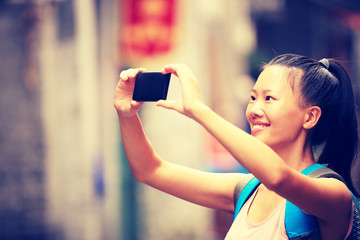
(342, 141)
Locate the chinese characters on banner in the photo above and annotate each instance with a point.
(147, 27)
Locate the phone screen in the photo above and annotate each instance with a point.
(151, 86)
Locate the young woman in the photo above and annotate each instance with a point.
(300, 111)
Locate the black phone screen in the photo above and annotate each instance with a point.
(151, 86)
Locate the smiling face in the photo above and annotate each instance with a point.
(273, 112)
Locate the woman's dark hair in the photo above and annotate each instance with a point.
(327, 85)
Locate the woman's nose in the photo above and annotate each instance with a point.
(255, 110)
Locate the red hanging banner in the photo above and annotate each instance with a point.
(147, 26)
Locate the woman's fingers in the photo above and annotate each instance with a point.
(182, 71)
(179, 70)
(136, 105)
(124, 75)
(168, 69)
(168, 104)
(123, 94)
(172, 105)
(134, 72)
(130, 74)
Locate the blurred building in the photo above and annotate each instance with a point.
(63, 172)
(59, 164)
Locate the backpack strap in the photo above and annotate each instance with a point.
(245, 179)
(324, 172)
(329, 173)
(248, 184)
(243, 190)
(355, 231)
(298, 224)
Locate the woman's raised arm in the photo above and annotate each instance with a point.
(212, 190)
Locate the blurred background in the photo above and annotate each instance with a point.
(63, 173)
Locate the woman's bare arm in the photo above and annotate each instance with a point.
(214, 190)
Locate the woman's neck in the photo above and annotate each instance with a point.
(298, 156)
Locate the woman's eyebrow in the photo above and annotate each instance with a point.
(263, 91)
(267, 91)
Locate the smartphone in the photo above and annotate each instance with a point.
(151, 86)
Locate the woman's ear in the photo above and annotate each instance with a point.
(312, 117)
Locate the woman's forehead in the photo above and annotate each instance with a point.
(276, 76)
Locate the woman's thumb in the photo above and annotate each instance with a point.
(168, 104)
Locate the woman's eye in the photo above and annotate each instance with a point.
(252, 98)
(268, 98)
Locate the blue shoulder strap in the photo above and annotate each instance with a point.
(246, 192)
(251, 184)
(311, 168)
(298, 223)
(355, 231)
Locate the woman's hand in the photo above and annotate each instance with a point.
(191, 100)
(124, 90)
